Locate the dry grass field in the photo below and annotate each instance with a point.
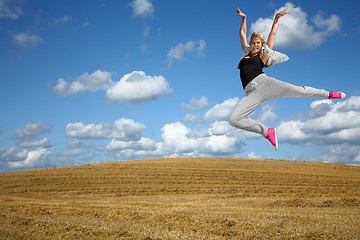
(195, 198)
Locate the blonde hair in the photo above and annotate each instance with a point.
(257, 35)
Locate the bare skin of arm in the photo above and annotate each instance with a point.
(243, 29)
(271, 37)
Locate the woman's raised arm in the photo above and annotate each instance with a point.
(271, 37)
(243, 29)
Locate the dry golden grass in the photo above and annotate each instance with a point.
(196, 198)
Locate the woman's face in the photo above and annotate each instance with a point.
(255, 45)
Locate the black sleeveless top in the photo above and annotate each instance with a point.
(250, 68)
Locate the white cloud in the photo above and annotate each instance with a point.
(339, 124)
(141, 144)
(220, 128)
(180, 52)
(33, 158)
(180, 141)
(32, 130)
(219, 145)
(253, 155)
(98, 80)
(291, 131)
(38, 143)
(134, 87)
(221, 111)
(141, 148)
(267, 114)
(342, 153)
(142, 8)
(175, 136)
(137, 87)
(6, 153)
(74, 143)
(332, 24)
(9, 10)
(122, 129)
(352, 104)
(26, 40)
(295, 31)
(190, 117)
(196, 104)
(11, 155)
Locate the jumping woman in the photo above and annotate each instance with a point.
(259, 87)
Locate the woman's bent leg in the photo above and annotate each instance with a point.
(239, 116)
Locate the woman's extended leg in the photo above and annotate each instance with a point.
(273, 88)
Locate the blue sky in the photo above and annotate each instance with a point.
(99, 81)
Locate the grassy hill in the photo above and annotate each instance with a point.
(195, 198)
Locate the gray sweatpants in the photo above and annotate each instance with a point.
(261, 89)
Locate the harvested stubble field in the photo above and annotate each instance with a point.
(195, 198)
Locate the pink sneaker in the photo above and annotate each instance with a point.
(336, 95)
(271, 136)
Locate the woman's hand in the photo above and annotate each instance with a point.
(241, 14)
(281, 14)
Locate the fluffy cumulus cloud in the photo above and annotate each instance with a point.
(142, 148)
(38, 143)
(122, 129)
(328, 123)
(182, 50)
(339, 123)
(342, 153)
(6, 153)
(267, 114)
(138, 87)
(26, 40)
(196, 104)
(32, 130)
(142, 8)
(98, 80)
(141, 144)
(9, 10)
(219, 139)
(178, 140)
(220, 111)
(33, 158)
(296, 31)
(34, 153)
(134, 87)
